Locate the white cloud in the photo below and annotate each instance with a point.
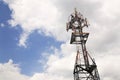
(56, 68)
(10, 71)
(109, 66)
(32, 15)
(23, 38)
(62, 66)
(59, 65)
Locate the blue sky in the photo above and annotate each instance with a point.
(9, 49)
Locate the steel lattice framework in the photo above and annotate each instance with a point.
(85, 67)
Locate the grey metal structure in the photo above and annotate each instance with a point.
(85, 67)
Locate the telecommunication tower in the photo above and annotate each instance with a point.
(85, 67)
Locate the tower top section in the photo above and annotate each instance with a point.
(76, 21)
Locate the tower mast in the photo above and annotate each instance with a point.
(85, 67)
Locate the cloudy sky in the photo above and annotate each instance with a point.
(34, 44)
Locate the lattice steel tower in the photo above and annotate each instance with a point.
(85, 67)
